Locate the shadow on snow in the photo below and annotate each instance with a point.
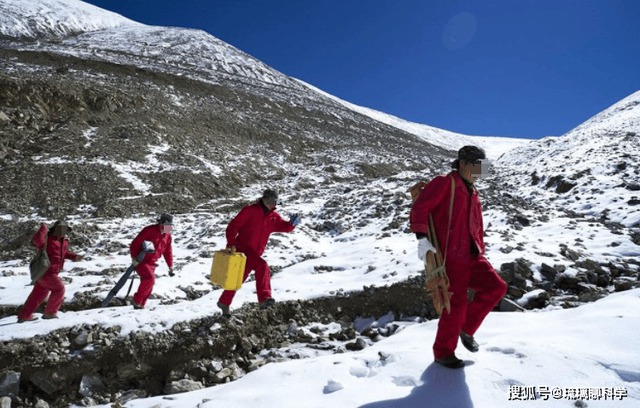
(441, 387)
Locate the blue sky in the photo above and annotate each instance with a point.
(522, 68)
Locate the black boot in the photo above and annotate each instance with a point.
(226, 310)
(450, 361)
(267, 303)
(469, 342)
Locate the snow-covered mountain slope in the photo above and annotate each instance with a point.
(55, 18)
(494, 146)
(74, 28)
(199, 108)
(88, 32)
(130, 108)
(592, 170)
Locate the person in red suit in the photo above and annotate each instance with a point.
(49, 284)
(248, 232)
(465, 263)
(159, 235)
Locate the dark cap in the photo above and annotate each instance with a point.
(60, 223)
(469, 154)
(165, 219)
(270, 195)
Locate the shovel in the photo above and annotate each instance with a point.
(147, 247)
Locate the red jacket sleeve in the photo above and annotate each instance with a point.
(40, 237)
(431, 196)
(282, 225)
(236, 223)
(70, 255)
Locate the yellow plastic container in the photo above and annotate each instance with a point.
(227, 269)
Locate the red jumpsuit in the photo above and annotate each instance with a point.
(146, 268)
(466, 265)
(57, 250)
(249, 232)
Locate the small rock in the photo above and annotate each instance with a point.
(548, 272)
(359, 344)
(216, 366)
(184, 385)
(41, 404)
(508, 305)
(222, 375)
(10, 383)
(91, 384)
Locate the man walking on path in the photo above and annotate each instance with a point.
(248, 232)
(160, 235)
(57, 250)
(466, 266)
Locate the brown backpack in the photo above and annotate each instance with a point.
(416, 189)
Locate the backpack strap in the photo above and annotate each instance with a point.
(453, 190)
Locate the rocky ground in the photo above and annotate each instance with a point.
(89, 364)
(92, 364)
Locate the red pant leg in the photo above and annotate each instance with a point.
(450, 324)
(147, 280)
(37, 295)
(263, 280)
(489, 289)
(55, 285)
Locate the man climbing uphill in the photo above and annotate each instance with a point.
(459, 230)
(159, 235)
(57, 248)
(248, 232)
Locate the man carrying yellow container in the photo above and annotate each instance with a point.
(248, 232)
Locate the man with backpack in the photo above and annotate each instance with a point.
(159, 235)
(57, 249)
(454, 204)
(248, 232)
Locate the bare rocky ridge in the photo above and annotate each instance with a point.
(77, 120)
